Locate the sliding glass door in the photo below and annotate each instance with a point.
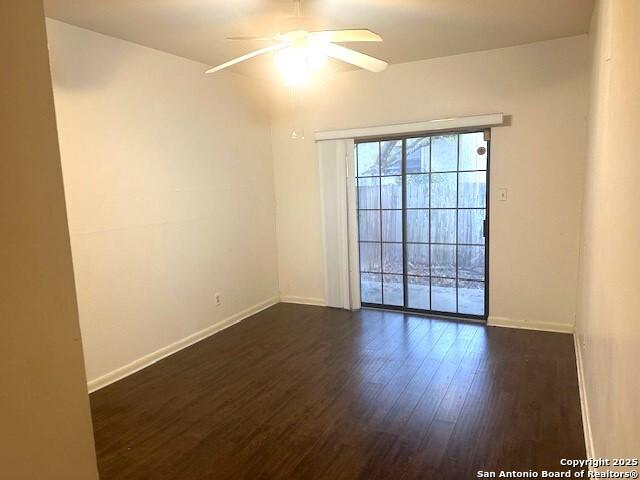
(422, 215)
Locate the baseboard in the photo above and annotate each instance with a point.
(320, 302)
(584, 404)
(174, 347)
(542, 326)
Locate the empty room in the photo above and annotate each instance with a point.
(319, 239)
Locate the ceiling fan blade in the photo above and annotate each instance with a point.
(251, 38)
(361, 35)
(270, 48)
(355, 58)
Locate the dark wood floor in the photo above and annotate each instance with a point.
(309, 392)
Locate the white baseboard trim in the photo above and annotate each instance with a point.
(320, 302)
(542, 326)
(584, 404)
(153, 357)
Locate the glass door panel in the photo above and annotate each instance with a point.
(422, 208)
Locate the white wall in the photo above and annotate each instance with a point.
(539, 158)
(45, 422)
(608, 327)
(169, 186)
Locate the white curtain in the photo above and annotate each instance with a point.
(340, 223)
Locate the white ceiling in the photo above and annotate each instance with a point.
(412, 29)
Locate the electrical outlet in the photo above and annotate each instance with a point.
(218, 298)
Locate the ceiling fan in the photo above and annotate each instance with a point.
(300, 50)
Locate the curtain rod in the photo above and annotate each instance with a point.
(474, 121)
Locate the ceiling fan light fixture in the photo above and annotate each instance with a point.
(301, 50)
(298, 62)
(316, 56)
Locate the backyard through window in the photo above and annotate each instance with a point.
(422, 223)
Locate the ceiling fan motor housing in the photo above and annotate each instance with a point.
(297, 24)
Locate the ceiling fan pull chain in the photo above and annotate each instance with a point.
(297, 127)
